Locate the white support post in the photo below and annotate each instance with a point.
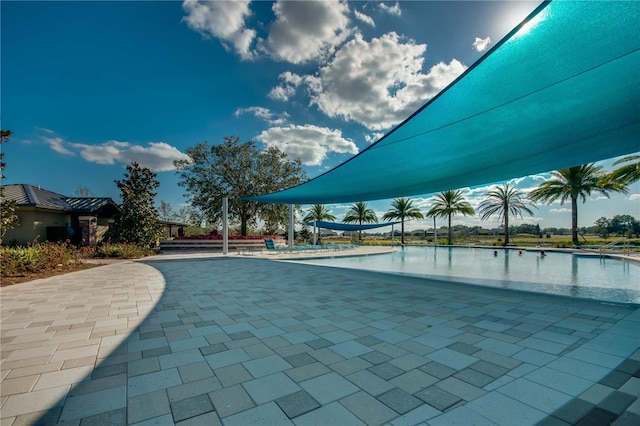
(315, 238)
(393, 234)
(225, 226)
(435, 231)
(292, 228)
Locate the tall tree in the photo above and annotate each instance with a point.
(318, 212)
(575, 183)
(166, 211)
(234, 169)
(503, 201)
(8, 217)
(402, 208)
(138, 219)
(628, 173)
(84, 191)
(448, 204)
(360, 213)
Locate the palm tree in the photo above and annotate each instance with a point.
(505, 200)
(450, 203)
(573, 183)
(315, 213)
(627, 174)
(359, 212)
(402, 208)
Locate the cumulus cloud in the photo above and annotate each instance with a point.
(224, 20)
(309, 143)
(305, 31)
(158, 156)
(364, 18)
(634, 197)
(373, 137)
(58, 145)
(391, 10)
(289, 83)
(264, 114)
(560, 210)
(378, 83)
(481, 44)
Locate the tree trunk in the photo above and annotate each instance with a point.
(506, 228)
(402, 230)
(449, 233)
(574, 220)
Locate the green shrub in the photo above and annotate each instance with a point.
(18, 261)
(123, 250)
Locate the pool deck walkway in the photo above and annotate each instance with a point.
(240, 340)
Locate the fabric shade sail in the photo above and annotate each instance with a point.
(560, 90)
(337, 226)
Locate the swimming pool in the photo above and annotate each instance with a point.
(591, 277)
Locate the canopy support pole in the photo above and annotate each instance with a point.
(393, 234)
(435, 231)
(291, 226)
(225, 225)
(315, 238)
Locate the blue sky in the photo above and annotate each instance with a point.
(88, 87)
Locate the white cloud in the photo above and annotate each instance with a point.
(42, 129)
(391, 10)
(157, 156)
(264, 114)
(305, 31)
(373, 137)
(378, 83)
(481, 44)
(364, 18)
(224, 20)
(309, 143)
(560, 210)
(634, 197)
(58, 145)
(287, 88)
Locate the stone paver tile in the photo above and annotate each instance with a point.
(299, 360)
(90, 404)
(196, 371)
(461, 389)
(115, 417)
(98, 384)
(32, 370)
(141, 366)
(386, 371)
(265, 366)
(413, 381)
(350, 349)
(460, 416)
(148, 406)
(338, 336)
(328, 387)
(319, 343)
(350, 365)
(452, 359)
(567, 383)
(271, 387)
(326, 356)
(24, 403)
(223, 359)
(232, 375)
(63, 377)
(192, 389)
(38, 352)
(573, 411)
(178, 359)
(438, 398)
(231, 400)
(368, 409)
(331, 414)
(536, 395)
(438, 370)
(62, 355)
(375, 357)
(150, 382)
(191, 407)
(259, 350)
(266, 414)
(210, 419)
(399, 400)
(506, 411)
(297, 403)
(474, 377)
(392, 336)
(409, 361)
(617, 402)
(300, 374)
(370, 382)
(18, 385)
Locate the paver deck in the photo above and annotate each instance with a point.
(242, 340)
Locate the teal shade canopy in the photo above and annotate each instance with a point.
(560, 90)
(337, 226)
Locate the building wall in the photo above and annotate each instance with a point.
(33, 226)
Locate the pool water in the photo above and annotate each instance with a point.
(591, 277)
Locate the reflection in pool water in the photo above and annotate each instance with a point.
(590, 277)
